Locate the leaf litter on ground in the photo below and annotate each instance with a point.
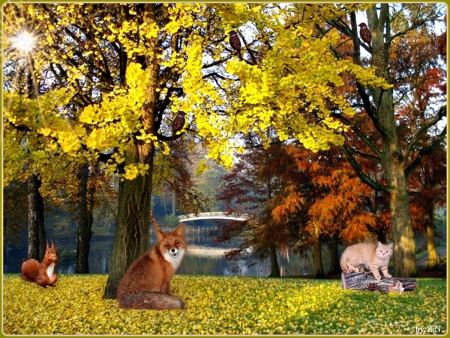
(225, 305)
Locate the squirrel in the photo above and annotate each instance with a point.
(43, 273)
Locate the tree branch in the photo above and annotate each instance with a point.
(415, 25)
(426, 151)
(422, 130)
(348, 152)
(215, 63)
(361, 135)
(365, 155)
(215, 74)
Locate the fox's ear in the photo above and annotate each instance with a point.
(179, 231)
(159, 235)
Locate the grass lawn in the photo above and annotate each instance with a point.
(225, 305)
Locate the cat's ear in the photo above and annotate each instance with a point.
(379, 244)
(391, 246)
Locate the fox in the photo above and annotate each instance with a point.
(42, 274)
(146, 283)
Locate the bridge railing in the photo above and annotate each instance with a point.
(213, 214)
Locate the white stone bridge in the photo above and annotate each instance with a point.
(212, 215)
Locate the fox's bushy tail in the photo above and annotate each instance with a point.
(151, 300)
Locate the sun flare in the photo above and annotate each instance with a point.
(24, 41)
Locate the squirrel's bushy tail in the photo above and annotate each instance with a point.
(151, 300)
(30, 270)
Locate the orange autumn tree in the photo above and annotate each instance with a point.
(340, 208)
(298, 199)
(336, 204)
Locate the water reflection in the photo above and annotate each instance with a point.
(204, 257)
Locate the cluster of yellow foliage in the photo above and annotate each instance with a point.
(223, 305)
(53, 132)
(288, 93)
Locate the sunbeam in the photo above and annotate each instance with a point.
(24, 41)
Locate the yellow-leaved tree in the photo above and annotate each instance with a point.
(130, 69)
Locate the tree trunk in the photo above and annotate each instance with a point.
(404, 255)
(132, 237)
(84, 222)
(335, 266)
(367, 281)
(36, 223)
(392, 159)
(317, 248)
(433, 258)
(274, 268)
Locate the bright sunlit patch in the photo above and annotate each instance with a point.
(24, 41)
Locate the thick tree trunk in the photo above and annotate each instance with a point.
(274, 267)
(36, 223)
(84, 222)
(392, 159)
(132, 237)
(404, 255)
(335, 266)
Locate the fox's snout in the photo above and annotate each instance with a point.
(174, 255)
(174, 251)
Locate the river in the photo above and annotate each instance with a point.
(204, 257)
